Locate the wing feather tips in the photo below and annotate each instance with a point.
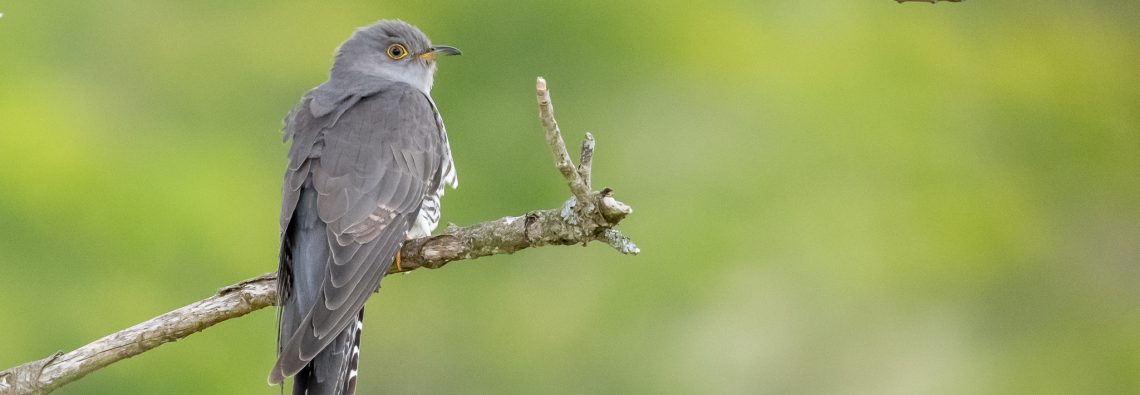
(313, 334)
(290, 362)
(280, 370)
(377, 260)
(275, 377)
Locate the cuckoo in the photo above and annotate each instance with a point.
(367, 166)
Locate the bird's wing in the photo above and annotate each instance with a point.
(371, 169)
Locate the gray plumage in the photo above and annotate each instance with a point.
(366, 170)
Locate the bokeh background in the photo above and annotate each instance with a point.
(830, 196)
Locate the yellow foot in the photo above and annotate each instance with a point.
(398, 268)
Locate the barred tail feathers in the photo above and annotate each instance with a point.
(333, 371)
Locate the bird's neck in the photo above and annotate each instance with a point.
(417, 77)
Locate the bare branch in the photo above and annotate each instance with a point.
(558, 146)
(568, 225)
(595, 214)
(587, 162)
(50, 373)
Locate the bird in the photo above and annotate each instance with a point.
(368, 163)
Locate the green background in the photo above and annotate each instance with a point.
(830, 196)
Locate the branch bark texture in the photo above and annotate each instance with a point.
(573, 223)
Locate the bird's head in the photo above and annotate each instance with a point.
(393, 50)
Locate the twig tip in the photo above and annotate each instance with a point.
(619, 242)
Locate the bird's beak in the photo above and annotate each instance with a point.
(439, 50)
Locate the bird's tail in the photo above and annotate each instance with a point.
(333, 371)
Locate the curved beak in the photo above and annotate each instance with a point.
(439, 50)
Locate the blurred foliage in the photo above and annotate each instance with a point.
(831, 197)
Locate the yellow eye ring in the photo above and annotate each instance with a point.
(397, 51)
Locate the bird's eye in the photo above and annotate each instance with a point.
(397, 51)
